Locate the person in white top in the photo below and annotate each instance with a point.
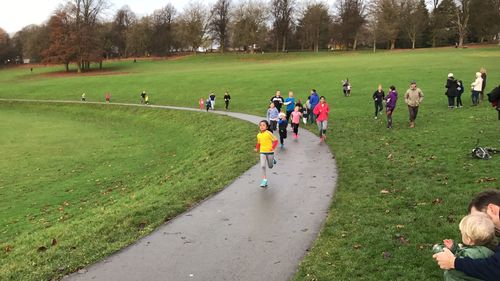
(477, 87)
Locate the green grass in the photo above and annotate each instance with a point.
(96, 178)
(430, 175)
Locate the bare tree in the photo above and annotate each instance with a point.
(281, 12)
(123, 20)
(414, 19)
(219, 24)
(163, 33)
(442, 27)
(139, 37)
(388, 20)
(31, 41)
(249, 25)
(194, 25)
(462, 14)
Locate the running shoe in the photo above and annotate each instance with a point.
(263, 183)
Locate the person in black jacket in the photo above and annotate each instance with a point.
(485, 269)
(494, 98)
(278, 100)
(451, 92)
(378, 97)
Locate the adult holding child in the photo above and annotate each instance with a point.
(413, 98)
(486, 202)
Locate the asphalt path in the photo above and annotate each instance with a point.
(244, 232)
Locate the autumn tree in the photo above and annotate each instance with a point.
(7, 52)
(163, 33)
(219, 23)
(193, 26)
(388, 20)
(139, 37)
(282, 16)
(31, 41)
(461, 20)
(62, 47)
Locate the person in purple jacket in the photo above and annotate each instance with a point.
(485, 269)
(390, 105)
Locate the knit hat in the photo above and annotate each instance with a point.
(450, 75)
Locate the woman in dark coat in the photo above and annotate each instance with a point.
(451, 92)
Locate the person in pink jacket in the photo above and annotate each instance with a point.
(321, 111)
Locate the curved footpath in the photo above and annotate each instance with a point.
(243, 232)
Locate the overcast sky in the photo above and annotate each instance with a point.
(16, 14)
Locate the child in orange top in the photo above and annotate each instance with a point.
(202, 103)
(266, 143)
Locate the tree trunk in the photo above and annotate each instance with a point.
(393, 44)
(413, 40)
(460, 40)
(433, 41)
(355, 44)
(284, 44)
(374, 45)
(79, 66)
(66, 66)
(277, 44)
(100, 64)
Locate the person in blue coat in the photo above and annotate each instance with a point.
(313, 101)
(290, 105)
(488, 269)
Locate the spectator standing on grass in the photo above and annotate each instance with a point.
(277, 100)
(460, 91)
(478, 233)
(378, 97)
(390, 105)
(451, 90)
(483, 85)
(322, 110)
(487, 202)
(108, 97)
(313, 101)
(143, 97)
(413, 98)
(290, 105)
(266, 143)
(476, 87)
(227, 98)
(83, 96)
(346, 87)
(272, 117)
(201, 103)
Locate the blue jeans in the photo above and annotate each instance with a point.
(475, 97)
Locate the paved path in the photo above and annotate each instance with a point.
(242, 233)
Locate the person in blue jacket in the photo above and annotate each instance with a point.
(313, 101)
(485, 269)
(290, 105)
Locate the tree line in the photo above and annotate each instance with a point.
(78, 33)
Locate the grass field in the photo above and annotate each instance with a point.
(426, 172)
(80, 182)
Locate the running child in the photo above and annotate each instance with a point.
(83, 97)
(108, 97)
(321, 111)
(282, 124)
(201, 102)
(296, 114)
(208, 104)
(266, 143)
(272, 117)
(378, 97)
(390, 105)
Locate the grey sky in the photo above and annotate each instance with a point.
(16, 14)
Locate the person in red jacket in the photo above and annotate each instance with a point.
(321, 111)
(485, 269)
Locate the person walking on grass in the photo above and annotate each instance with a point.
(413, 98)
(391, 100)
(83, 97)
(227, 98)
(378, 97)
(321, 111)
(272, 117)
(266, 144)
(107, 97)
(201, 103)
(143, 97)
(451, 90)
(477, 87)
(486, 202)
(282, 124)
(290, 105)
(296, 114)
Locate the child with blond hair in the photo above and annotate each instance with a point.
(478, 234)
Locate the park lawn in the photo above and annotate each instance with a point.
(79, 182)
(427, 171)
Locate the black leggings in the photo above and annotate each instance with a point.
(295, 128)
(282, 135)
(378, 107)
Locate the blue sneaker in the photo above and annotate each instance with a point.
(263, 183)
